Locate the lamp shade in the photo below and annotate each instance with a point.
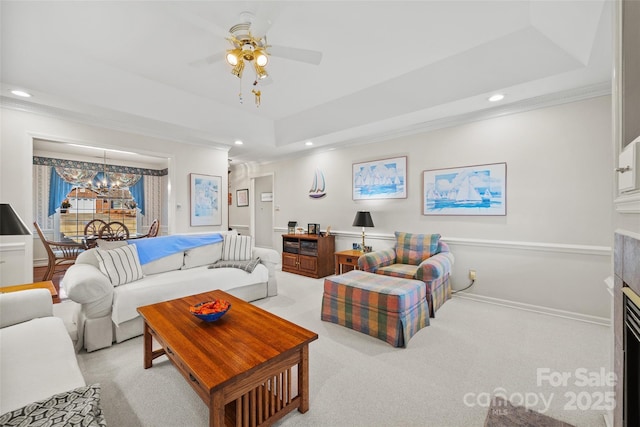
(10, 222)
(363, 219)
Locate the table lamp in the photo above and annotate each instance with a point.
(10, 222)
(363, 219)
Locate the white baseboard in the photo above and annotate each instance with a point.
(536, 309)
(41, 262)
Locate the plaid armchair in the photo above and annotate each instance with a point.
(416, 256)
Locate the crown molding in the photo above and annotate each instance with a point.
(530, 104)
(116, 121)
(535, 103)
(162, 130)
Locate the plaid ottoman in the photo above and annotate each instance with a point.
(389, 308)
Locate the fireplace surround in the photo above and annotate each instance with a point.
(627, 329)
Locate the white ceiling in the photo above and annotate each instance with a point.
(387, 66)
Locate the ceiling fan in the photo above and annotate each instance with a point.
(248, 41)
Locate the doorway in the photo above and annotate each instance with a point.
(262, 213)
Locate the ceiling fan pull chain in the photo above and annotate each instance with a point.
(257, 93)
(240, 92)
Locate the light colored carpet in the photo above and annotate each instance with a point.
(470, 352)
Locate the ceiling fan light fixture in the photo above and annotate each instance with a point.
(232, 57)
(261, 73)
(261, 58)
(237, 70)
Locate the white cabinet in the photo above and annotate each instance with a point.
(628, 164)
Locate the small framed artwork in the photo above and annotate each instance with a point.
(242, 197)
(266, 197)
(467, 190)
(205, 200)
(380, 179)
(313, 228)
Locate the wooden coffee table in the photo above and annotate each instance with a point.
(243, 365)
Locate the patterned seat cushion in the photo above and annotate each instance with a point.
(404, 271)
(414, 248)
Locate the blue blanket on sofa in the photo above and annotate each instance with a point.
(155, 248)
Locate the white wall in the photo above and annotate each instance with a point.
(16, 150)
(551, 251)
(239, 217)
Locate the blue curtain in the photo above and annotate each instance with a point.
(137, 191)
(58, 190)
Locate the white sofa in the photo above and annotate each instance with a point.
(107, 313)
(37, 358)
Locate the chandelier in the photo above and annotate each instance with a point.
(250, 49)
(102, 188)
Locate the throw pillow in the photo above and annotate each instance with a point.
(236, 248)
(78, 407)
(414, 248)
(110, 244)
(120, 265)
(247, 266)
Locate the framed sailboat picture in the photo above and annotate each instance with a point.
(468, 190)
(380, 179)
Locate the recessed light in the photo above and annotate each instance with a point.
(496, 97)
(21, 93)
(308, 143)
(238, 142)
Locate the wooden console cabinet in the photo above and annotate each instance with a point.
(308, 254)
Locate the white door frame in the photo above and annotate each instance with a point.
(252, 216)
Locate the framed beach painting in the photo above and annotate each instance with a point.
(205, 200)
(467, 190)
(380, 179)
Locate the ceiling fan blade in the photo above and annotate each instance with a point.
(266, 81)
(302, 55)
(211, 59)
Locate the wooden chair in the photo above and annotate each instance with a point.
(93, 227)
(154, 228)
(59, 253)
(115, 230)
(92, 231)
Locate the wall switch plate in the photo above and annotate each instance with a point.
(472, 275)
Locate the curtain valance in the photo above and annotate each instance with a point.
(74, 164)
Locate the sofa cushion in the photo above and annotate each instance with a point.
(414, 248)
(162, 265)
(121, 265)
(178, 284)
(202, 255)
(247, 266)
(18, 307)
(77, 407)
(236, 248)
(37, 360)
